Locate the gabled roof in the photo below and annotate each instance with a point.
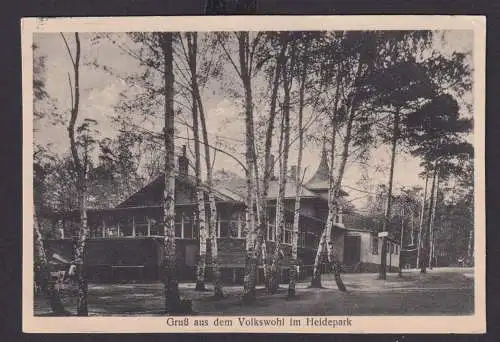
(231, 183)
(159, 182)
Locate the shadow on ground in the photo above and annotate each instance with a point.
(434, 293)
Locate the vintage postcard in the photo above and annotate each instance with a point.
(254, 174)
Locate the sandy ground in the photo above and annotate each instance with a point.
(439, 292)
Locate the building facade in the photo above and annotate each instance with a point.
(126, 241)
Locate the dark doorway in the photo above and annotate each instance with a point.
(191, 255)
(352, 249)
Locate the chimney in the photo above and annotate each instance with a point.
(183, 163)
(272, 176)
(293, 172)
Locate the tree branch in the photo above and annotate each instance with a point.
(230, 58)
(68, 49)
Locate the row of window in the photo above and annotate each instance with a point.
(392, 247)
(304, 238)
(185, 228)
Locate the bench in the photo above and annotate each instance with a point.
(140, 268)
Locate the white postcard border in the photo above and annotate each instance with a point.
(360, 324)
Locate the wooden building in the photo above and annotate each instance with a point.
(126, 241)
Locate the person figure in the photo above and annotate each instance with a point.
(70, 274)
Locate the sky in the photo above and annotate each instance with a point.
(100, 94)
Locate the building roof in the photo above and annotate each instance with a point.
(159, 182)
(356, 222)
(229, 186)
(232, 184)
(320, 180)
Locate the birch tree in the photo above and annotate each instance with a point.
(287, 75)
(298, 179)
(171, 286)
(192, 47)
(42, 273)
(343, 112)
(252, 243)
(81, 171)
(279, 61)
(244, 68)
(212, 226)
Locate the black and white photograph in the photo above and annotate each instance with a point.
(242, 174)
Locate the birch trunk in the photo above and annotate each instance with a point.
(42, 273)
(280, 210)
(81, 306)
(192, 43)
(212, 223)
(335, 186)
(334, 195)
(298, 182)
(171, 287)
(218, 291)
(421, 222)
(202, 229)
(316, 277)
(252, 245)
(280, 205)
(264, 221)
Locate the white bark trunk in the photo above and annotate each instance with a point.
(421, 222)
(42, 273)
(172, 298)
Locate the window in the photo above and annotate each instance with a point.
(270, 232)
(157, 226)
(375, 245)
(196, 233)
(125, 226)
(302, 239)
(188, 226)
(392, 247)
(228, 228)
(141, 225)
(396, 249)
(178, 225)
(228, 224)
(287, 234)
(241, 218)
(243, 233)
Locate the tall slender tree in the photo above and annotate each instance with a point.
(421, 220)
(212, 224)
(350, 71)
(436, 133)
(298, 179)
(171, 286)
(268, 167)
(252, 244)
(81, 171)
(287, 74)
(192, 47)
(42, 273)
(246, 68)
